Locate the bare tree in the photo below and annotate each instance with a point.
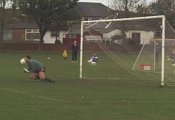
(124, 9)
(47, 12)
(143, 9)
(163, 7)
(124, 5)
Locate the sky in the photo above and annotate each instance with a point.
(105, 2)
(98, 1)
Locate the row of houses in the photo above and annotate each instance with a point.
(21, 29)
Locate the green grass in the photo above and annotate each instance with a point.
(137, 97)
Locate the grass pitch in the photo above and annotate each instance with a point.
(70, 98)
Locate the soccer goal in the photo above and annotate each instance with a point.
(128, 48)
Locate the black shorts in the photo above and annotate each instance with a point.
(40, 70)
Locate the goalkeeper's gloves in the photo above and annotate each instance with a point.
(26, 70)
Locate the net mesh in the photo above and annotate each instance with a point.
(128, 49)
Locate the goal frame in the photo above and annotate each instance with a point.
(127, 19)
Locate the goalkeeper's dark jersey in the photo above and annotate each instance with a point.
(34, 66)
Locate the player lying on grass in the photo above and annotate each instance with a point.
(93, 59)
(36, 69)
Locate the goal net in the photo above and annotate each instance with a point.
(128, 48)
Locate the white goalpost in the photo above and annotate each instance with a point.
(92, 23)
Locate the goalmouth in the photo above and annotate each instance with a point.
(108, 23)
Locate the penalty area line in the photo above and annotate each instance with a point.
(30, 95)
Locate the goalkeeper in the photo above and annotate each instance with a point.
(36, 68)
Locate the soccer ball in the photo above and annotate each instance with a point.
(48, 58)
(22, 61)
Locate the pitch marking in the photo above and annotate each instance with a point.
(31, 95)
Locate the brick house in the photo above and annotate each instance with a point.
(20, 28)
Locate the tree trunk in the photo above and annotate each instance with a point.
(41, 43)
(42, 33)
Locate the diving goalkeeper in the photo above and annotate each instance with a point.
(36, 68)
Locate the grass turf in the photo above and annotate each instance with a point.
(73, 99)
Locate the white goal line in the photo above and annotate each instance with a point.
(30, 95)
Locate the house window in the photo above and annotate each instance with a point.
(157, 34)
(29, 30)
(32, 34)
(136, 37)
(85, 18)
(7, 35)
(54, 34)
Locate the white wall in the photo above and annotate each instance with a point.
(48, 39)
(93, 38)
(145, 36)
(51, 40)
(108, 36)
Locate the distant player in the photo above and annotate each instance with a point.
(74, 49)
(173, 57)
(36, 68)
(158, 51)
(93, 59)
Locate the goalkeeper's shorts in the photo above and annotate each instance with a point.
(43, 69)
